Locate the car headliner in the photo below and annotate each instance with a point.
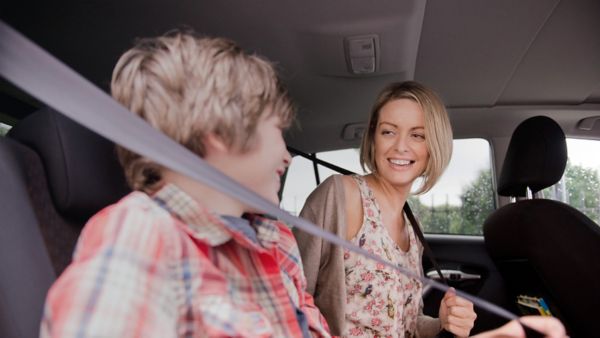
(493, 62)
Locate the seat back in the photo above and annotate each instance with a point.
(545, 248)
(25, 264)
(55, 175)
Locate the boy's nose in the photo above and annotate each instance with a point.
(287, 158)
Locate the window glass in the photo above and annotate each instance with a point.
(463, 197)
(458, 204)
(346, 158)
(580, 184)
(299, 183)
(4, 128)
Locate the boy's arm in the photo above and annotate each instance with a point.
(316, 322)
(118, 284)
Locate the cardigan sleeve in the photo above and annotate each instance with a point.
(324, 262)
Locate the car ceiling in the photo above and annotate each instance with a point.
(493, 62)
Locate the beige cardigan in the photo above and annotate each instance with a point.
(324, 263)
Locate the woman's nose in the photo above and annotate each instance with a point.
(401, 144)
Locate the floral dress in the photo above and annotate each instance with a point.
(381, 302)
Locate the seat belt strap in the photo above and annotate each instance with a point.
(36, 72)
(428, 252)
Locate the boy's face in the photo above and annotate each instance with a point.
(260, 168)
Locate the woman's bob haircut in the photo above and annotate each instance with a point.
(438, 132)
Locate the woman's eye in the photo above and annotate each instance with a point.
(387, 132)
(419, 136)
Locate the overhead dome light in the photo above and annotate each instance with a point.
(362, 53)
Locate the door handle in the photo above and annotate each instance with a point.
(452, 275)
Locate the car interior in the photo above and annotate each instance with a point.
(522, 76)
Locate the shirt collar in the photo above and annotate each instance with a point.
(267, 231)
(210, 227)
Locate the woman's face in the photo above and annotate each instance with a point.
(401, 151)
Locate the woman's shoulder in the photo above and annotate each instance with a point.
(335, 188)
(351, 188)
(333, 181)
(328, 197)
(339, 181)
(330, 187)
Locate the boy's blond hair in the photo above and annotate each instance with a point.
(188, 87)
(438, 132)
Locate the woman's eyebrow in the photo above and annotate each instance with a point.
(396, 126)
(385, 122)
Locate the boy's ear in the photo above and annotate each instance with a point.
(214, 143)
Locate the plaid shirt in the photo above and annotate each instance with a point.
(162, 266)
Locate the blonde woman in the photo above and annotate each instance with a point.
(408, 137)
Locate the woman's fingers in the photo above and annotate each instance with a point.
(452, 299)
(462, 312)
(458, 314)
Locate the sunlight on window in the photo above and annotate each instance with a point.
(299, 183)
(580, 184)
(463, 197)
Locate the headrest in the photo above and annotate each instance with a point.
(536, 157)
(82, 168)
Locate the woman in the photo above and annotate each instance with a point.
(408, 137)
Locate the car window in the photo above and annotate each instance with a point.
(580, 184)
(299, 182)
(458, 204)
(4, 128)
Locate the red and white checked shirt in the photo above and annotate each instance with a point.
(163, 266)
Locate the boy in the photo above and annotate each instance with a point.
(175, 258)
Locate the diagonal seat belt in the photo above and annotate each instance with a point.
(41, 75)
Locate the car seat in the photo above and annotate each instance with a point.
(545, 248)
(55, 175)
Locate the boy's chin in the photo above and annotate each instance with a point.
(273, 198)
(250, 210)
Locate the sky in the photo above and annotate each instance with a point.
(584, 152)
(469, 157)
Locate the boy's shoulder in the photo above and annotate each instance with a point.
(135, 218)
(137, 204)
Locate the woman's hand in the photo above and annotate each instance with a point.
(456, 314)
(550, 327)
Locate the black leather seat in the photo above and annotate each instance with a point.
(55, 175)
(542, 247)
